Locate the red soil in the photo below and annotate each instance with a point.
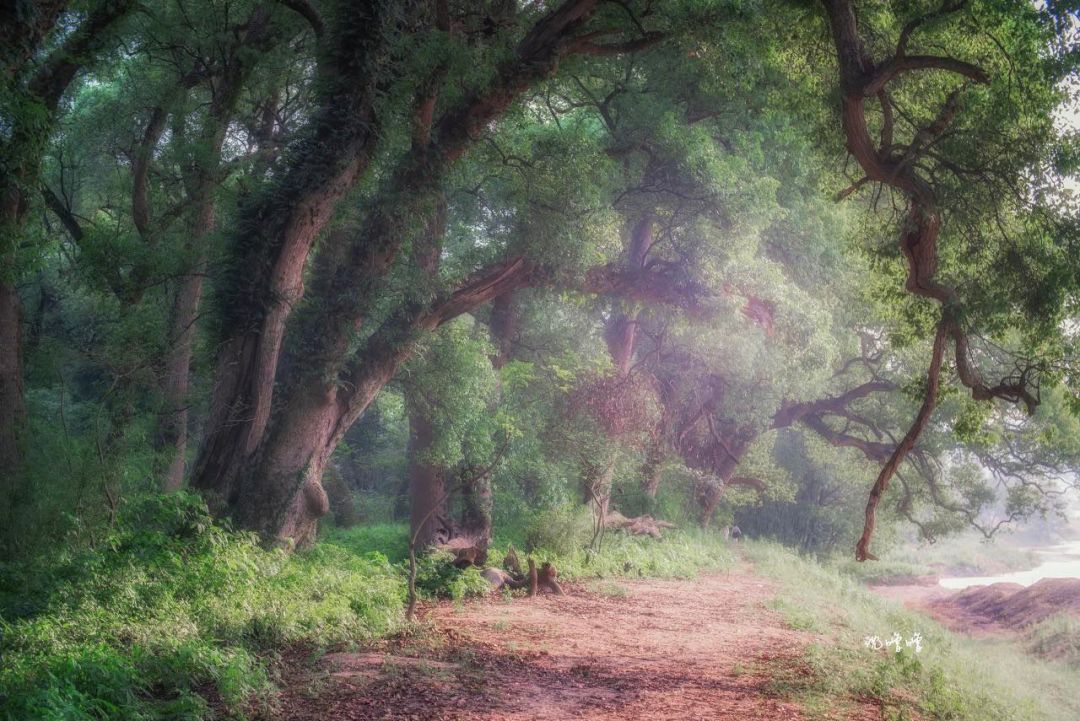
(1010, 605)
(991, 609)
(647, 649)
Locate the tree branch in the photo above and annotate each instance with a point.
(306, 10)
(890, 69)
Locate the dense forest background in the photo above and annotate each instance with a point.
(503, 269)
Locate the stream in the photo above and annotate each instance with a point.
(1060, 561)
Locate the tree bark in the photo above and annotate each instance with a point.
(620, 336)
(322, 402)
(709, 496)
(201, 179)
(12, 405)
(476, 504)
(504, 327)
(427, 483)
(173, 426)
(274, 235)
(650, 469)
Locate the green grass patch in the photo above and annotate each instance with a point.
(172, 615)
(953, 678)
(954, 556)
(679, 554)
(1057, 637)
(389, 539)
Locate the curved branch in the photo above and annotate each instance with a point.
(748, 482)
(306, 10)
(140, 171)
(890, 69)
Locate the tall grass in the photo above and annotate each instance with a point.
(954, 678)
(679, 554)
(965, 555)
(173, 616)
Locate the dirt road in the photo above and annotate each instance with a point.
(640, 649)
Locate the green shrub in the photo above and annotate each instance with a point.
(562, 530)
(438, 577)
(389, 539)
(172, 607)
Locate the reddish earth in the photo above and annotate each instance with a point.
(642, 649)
(995, 608)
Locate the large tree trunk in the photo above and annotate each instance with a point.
(476, 505)
(428, 518)
(13, 208)
(173, 425)
(172, 435)
(709, 495)
(620, 336)
(650, 469)
(201, 178)
(321, 402)
(280, 492)
(275, 233)
(12, 407)
(504, 327)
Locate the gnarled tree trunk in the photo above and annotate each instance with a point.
(12, 406)
(271, 480)
(270, 248)
(428, 517)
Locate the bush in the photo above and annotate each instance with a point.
(561, 530)
(679, 554)
(172, 609)
(438, 577)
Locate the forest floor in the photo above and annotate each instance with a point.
(707, 648)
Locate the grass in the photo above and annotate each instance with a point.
(389, 539)
(679, 554)
(964, 555)
(173, 616)
(1057, 637)
(954, 678)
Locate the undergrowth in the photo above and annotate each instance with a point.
(679, 554)
(174, 617)
(953, 678)
(1057, 637)
(953, 556)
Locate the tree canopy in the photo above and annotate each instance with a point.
(489, 259)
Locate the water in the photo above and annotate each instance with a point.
(1061, 561)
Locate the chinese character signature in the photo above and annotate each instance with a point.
(895, 642)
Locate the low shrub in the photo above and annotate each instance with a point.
(173, 611)
(438, 577)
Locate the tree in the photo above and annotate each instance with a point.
(925, 161)
(41, 62)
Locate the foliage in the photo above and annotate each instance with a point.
(172, 611)
(559, 529)
(679, 554)
(438, 577)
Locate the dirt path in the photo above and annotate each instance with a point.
(640, 649)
